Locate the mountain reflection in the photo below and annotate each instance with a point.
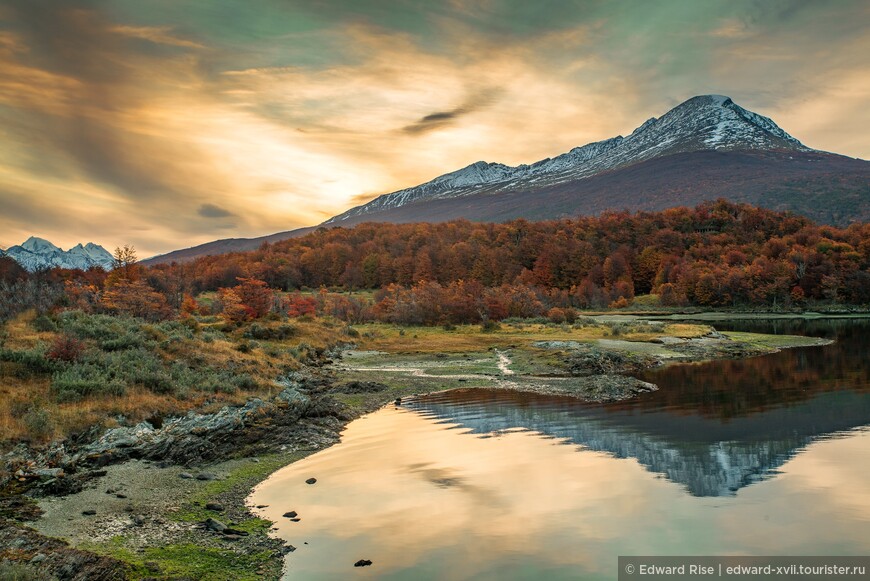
(714, 428)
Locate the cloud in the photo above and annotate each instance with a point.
(130, 119)
(212, 211)
(441, 119)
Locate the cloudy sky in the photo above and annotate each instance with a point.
(170, 123)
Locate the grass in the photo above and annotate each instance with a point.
(185, 560)
(772, 341)
(469, 338)
(138, 370)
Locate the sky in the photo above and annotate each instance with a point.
(170, 123)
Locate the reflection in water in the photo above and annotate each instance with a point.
(496, 485)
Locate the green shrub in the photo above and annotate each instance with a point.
(84, 379)
(39, 423)
(263, 333)
(30, 362)
(44, 323)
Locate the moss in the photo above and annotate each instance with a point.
(774, 341)
(186, 560)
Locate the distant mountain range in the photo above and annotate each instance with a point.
(38, 253)
(705, 148)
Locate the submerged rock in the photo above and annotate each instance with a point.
(363, 563)
(311, 481)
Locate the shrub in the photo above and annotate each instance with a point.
(66, 348)
(80, 380)
(556, 315)
(39, 424)
(263, 333)
(44, 323)
(30, 362)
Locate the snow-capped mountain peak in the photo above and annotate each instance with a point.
(37, 253)
(702, 123)
(39, 245)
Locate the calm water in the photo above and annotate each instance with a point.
(766, 456)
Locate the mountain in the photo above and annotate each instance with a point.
(224, 246)
(38, 253)
(705, 148)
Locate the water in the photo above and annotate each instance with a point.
(765, 456)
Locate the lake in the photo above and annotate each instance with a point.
(762, 456)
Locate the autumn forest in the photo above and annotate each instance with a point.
(719, 254)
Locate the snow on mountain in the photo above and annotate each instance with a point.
(37, 253)
(706, 122)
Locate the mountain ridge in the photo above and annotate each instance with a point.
(703, 122)
(38, 253)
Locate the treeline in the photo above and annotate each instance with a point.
(719, 254)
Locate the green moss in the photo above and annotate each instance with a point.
(186, 560)
(774, 341)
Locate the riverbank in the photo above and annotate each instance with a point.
(167, 501)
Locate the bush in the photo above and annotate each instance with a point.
(31, 362)
(66, 348)
(84, 379)
(44, 324)
(39, 424)
(263, 333)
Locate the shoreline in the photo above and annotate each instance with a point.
(157, 528)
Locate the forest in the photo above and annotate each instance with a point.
(717, 255)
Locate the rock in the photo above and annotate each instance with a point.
(360, 387)
(138, 520)
(49, 473)
(186, 475)
(215, 525)
(110, 491)
(291, 514)
(262, 506)
(311, 481)
(89, 512)
(237, 532)
(362, 563)
(206, 476)
(398, 401)
(38, 558)
(231, 537)
(255, 460)
(152, 566)
(297, 519)
(119, 495)
(128, 508)
(288, 549)
(215, 506)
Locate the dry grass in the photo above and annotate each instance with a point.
(470, 338)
